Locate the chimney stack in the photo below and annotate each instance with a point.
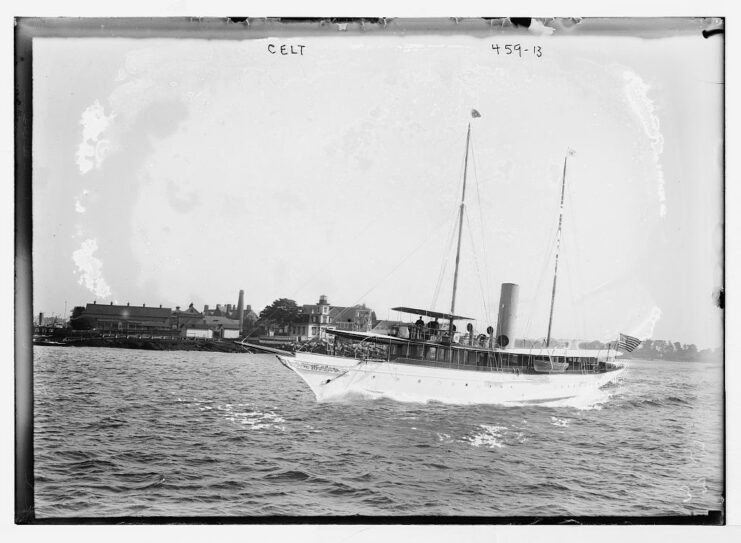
(240, 310)
(507, 320)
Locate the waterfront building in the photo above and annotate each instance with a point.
(128, 318)
(315, 320)
(222, 327)
(184, 320)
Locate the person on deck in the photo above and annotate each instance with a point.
(419, 327)
(434, 327)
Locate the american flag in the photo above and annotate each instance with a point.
(475, 113)
(628, 343)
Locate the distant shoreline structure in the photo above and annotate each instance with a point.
(652, 350)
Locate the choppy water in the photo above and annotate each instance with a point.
(130, 433)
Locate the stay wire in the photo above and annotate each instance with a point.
(576, 253)
(431, 233)
(550, 243)
(446, 258)
(476, 265)
(444, 265)
(320, 271)
(483, 233)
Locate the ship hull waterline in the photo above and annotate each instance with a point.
(331, 377)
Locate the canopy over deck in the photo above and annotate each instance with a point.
(428, 313)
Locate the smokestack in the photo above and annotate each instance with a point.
(507, 319)
(205, 309)
(240, 310)
(41, 319)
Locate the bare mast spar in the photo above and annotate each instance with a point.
(558, 246)
(474, 115)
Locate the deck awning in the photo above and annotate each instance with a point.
(428, 313)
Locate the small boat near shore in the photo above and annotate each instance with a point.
(47, 341)
(433, 362)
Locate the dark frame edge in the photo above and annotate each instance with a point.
(23, 283)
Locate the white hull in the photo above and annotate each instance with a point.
(331, 377)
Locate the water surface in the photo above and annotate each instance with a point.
(143, 433)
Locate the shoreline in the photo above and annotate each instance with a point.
(151, 344)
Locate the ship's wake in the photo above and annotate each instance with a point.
(586, 400)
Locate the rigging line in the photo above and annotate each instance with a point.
(430, 234)
(321, 270)
(576, 253)
(445, 260)
(566, 270)
(476, 264)
(550, 245)
(483, 236)
(462, 175)
(550, 257)
(443, 268)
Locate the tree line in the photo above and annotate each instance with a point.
(660, 349)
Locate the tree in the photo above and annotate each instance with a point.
(280, 313)
(80, 321)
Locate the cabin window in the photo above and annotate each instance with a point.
(431, 352)
(481, 359)
(442, 354)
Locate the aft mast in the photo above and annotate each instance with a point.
(558, 246)
(474, 115)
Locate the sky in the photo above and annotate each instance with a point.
(183, 170)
